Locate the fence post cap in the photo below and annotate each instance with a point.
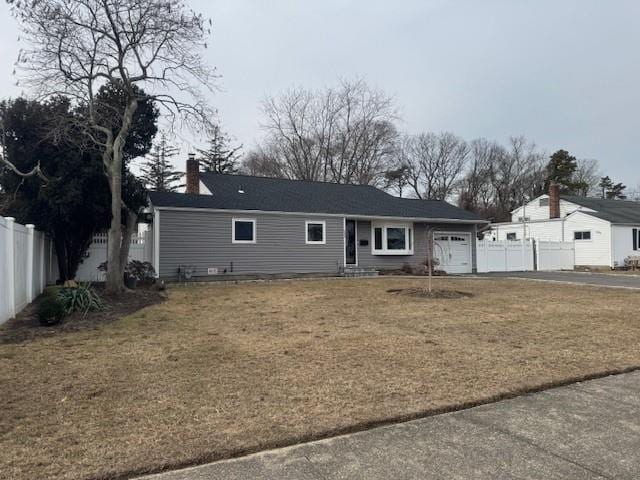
(10, 219)
(30, 226)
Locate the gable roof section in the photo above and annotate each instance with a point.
(614, 211)
(292, 196)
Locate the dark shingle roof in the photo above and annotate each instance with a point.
(614, 211)
(280, 195)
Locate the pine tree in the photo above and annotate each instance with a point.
(605, 185)
(561, 169)
(617, 192)
(157, 171)
(612, 190)
(220, 157)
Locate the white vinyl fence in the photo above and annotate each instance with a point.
(523, 255)
(504, 256)
(26, 264)
(555, 255)
(140, 249)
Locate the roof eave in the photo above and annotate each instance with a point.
(356, 216)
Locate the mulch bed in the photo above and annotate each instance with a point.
(25, 327)
(435, 293)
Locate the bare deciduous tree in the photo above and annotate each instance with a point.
(77, 46)
(435, 163)
(517, 176)
(344, 134)
(587, 177)
(475, 190)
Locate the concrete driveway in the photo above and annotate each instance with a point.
(620, 280)
(588, 430)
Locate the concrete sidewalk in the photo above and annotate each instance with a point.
(589, 430)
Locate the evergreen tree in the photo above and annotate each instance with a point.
(561, 169)
(605, 185)
(74, 202)
(220, 157)
(617, 192)
(612, 190)
(157, 171)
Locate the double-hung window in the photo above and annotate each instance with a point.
(315, 232)
(392, 239)
(243, 230)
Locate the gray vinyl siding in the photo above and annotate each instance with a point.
(367, 260)
(203, 240)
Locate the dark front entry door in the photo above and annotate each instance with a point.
(350, 242)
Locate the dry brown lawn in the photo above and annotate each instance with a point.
(222, 369)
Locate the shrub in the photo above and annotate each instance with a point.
(50, 311)
(406, 268)
(141, 271)
(82, 298)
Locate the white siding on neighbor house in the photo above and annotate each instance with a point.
(594, 252)
(534, 211)
(547, 231)
(622, 242)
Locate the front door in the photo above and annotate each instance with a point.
(350, 242)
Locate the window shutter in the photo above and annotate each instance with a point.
(635, 239)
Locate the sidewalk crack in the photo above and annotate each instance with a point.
(533, 444)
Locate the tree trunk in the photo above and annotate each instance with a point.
(61, 257)
(129, 230)
(115, 270)
(116, 264)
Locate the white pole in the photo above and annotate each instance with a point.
(11, 266)
(43, 281)
(30, 249)
(156, 242)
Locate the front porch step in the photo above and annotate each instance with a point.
(358, 272)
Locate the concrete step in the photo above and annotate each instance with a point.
(358, 272)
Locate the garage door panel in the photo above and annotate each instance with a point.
(453, 252)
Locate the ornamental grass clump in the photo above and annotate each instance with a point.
(82, 299)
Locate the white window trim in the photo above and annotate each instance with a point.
(590, 239)
(324, 232)
(409, 230)
(233, 230)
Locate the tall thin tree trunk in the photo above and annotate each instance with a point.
(129, 230)
(115, 272)
(61, 255)
(116, 264)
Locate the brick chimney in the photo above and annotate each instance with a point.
(554, 200)
(193, 174)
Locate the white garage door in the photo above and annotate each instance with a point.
(453, 252)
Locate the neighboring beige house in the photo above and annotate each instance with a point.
(604, 232)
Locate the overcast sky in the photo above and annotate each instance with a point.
(566, 74)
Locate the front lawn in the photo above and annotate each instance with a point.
(222, 369)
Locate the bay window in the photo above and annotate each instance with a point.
(392, 239)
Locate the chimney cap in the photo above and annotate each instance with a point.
(192, 156)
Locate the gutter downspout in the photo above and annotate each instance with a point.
(612, 263)
(156, 241)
